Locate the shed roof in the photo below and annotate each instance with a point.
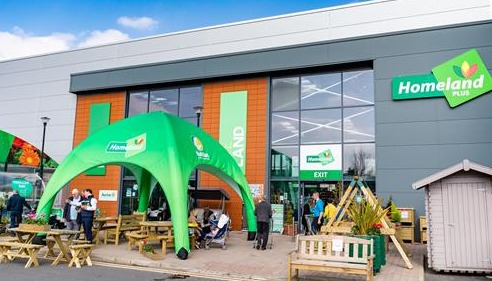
(465, 165)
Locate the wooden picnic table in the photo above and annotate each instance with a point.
(103, 223)
(57, 236)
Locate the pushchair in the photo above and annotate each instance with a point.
(270, 237)
(219, 235)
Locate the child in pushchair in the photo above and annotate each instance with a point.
(218, 233)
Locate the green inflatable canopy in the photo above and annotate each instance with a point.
(158, 148)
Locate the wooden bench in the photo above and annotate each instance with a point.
(23, 250)
(81, 255)
(126, 223)
(328, 253)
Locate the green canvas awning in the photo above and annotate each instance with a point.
(156, 147)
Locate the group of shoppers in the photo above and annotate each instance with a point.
(315, 213)
(79, 210)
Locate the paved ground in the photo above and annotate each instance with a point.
(241, 262)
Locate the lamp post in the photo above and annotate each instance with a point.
(198, 110)
(45, 121)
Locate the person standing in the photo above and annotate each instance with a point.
(306, 216)
(88, 206)
(71, 214)
(16, 205)
(330, 209)
(317, 212)
(263, 213)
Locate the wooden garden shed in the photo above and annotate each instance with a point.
(458, 202)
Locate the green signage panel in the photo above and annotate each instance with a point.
(99, 118)
(320, 175)
(415, 87)
(24, 187)
(459, 79)
(277, 217)
(321, 162)
(465, 77)
(233, 122)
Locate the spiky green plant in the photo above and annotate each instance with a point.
(365, 216)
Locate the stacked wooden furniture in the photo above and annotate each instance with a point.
(423, 229)
(407, 229)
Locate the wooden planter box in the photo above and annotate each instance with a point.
(34, 227)
(153, 256)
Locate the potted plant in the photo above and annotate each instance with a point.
(148, 251)
(395, 215)
(367, 224)
(36, 223)
(289, 227)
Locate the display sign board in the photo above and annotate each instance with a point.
(233, 122)
(256, 190)
(24, 187)
(459, 79)
(321, 162)
(278, 218)
(108, 195)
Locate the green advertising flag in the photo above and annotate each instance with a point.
(24, 187)
(464, 78)
(232, 132)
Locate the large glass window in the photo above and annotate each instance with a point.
(178, 101)
(335, 109)
(138, 102)
(285, 94)
(359, 159)
(285, 127)
(164, 100)
(358, 88)
(285, 161)
(189, 98)
(321, 126)
(358, 124)
(321, 91)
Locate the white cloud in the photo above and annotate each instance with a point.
(137, 23)
(20, 44)
(103, 37)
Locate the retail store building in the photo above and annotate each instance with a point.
(310, 94)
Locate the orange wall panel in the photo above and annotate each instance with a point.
(255, 138)
(112, 178)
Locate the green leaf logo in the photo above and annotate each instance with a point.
(457, 71)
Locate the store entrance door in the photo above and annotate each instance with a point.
(326, 189)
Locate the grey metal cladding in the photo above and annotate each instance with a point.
(397, 53)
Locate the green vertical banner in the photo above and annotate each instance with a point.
(99, 118)
(233, 122)
(6, 141)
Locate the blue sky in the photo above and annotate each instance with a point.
(32, 27)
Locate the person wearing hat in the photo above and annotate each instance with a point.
(263, 213)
